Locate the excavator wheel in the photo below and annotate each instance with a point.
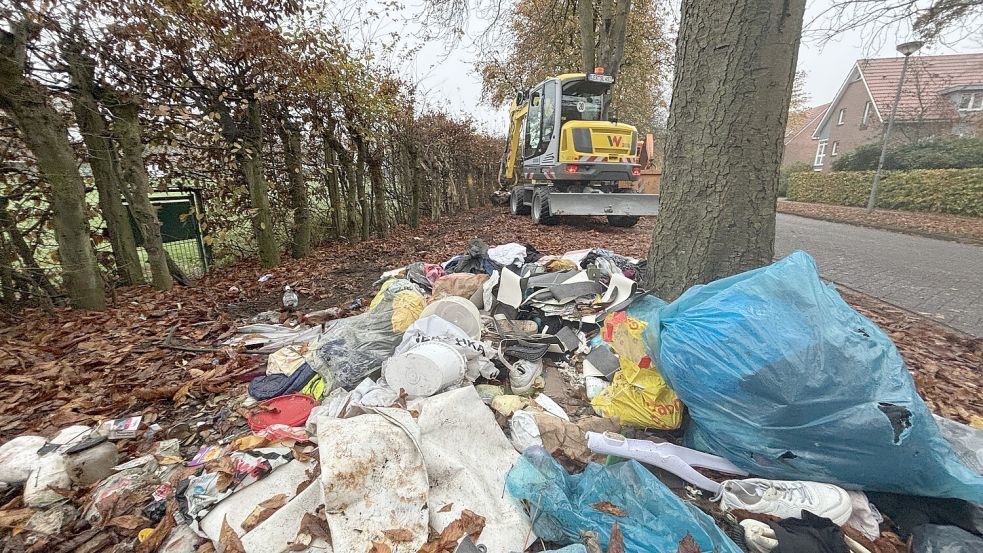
(517, 204)
(541, 208)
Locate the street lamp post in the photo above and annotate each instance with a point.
(906, 49)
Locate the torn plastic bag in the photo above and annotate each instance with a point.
(434, 328)
(463, 285)
(353, 348)
(655, 520)
(787, 381)
(199, 493)
(944, 539)
(18, 457)
(965, 440)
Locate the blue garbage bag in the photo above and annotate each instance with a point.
(787, 381)
(655, 520)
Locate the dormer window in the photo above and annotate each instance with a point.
(971, 101)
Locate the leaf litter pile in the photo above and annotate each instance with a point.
(157, 354)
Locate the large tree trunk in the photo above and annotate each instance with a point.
(733, 79)
(613, 26)
(105, 169)
(45, 133)
(378, 183)
(363, 200)
(136, 188)
(299, 203)
(588, 39)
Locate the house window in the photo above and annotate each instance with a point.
(820, 155)
(971, 101)
(866, 118)
(842, 117)
(833, 148)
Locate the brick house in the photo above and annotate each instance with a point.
(942, 96)
(800, 147)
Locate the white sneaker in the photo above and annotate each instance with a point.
(523, 374)
(786, 499)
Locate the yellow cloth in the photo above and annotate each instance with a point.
(407, 306)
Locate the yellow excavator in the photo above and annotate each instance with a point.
(564, 156)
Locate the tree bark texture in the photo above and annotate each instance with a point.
(251, 163)
(733, 80)
(365, 208)
(611, 43)
(105, 167)
(45, 133)
(299, 202)
(136, 188)
(19, 246)
(333, 177)
(378, 184)
(588, 39)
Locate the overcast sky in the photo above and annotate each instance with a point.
(450, 77)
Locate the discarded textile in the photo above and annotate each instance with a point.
(285, 361)
(508, 254)
(787, 381)
(611, 263)
(865, 518)
(278, 384)
(808, 534)
(908, 512)
(655, 519)
(474, 260)
(197, 494)
(462, 285)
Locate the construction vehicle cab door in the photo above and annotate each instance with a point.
(542, 132)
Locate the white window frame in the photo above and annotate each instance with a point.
(833, 148)
(866, 118)
(841, 118)
(975, 102)
(817, 164)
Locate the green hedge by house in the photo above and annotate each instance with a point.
(955, 191)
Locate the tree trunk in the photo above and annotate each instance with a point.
(17, 243)
(299, 202)
(416, 183)
(251, 163)
(105, 166)
(588, 38)
(614, 25)
(363, 201)
(378, 192)
(45, 133)
(136, 188)
(333, 177)
(726, 127)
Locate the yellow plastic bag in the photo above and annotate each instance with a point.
(638, 395)
(407, 306)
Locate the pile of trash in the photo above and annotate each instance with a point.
(509, 401)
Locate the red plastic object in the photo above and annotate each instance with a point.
(291, 410)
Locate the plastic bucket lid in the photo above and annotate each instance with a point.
(291, 410)
(459, 311)
(426, 369)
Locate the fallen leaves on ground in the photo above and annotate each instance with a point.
(937, 225)
(229, 539)
(469, 524)
(263, 511)
(688, 545)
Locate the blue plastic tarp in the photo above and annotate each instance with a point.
(787, 381)
(655, 519)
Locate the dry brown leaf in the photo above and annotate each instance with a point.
(129, 522)
(206, 547)
(182, 394)
(313, 527)
(398, 535)
(228, 538)
(617, 542)
(263, 511)
(609, 508)
(379, 547)
(15, 518)
(446, 508)
(688, 545)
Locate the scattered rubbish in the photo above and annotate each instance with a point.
(121, 429)
(457, 311)
(114, 489)
(560, 503)
(289, 410)
(931, 538)
(673, 458)
(507, 404)
(966, 442)
(91, 460)
(426, 369)
(47, 476)
(814, 359)
(567, 441)
(865, 518)
(18, 457)
(199, 493)
(265, 277)
(524, 431)
(207, 453)
(290, 299)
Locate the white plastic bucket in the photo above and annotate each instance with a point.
(426, 369)
(459, 311)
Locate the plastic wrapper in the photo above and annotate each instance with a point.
(18, 457)
(353, 348)
(463, 285)
(638, 395)
(655, 519)
(945, 539)
(787, 381)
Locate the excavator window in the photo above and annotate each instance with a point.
(583, 101)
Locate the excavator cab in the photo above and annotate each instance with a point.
(563, 151)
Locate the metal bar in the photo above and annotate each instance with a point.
(570, 203)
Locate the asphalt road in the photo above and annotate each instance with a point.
(936, 278)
